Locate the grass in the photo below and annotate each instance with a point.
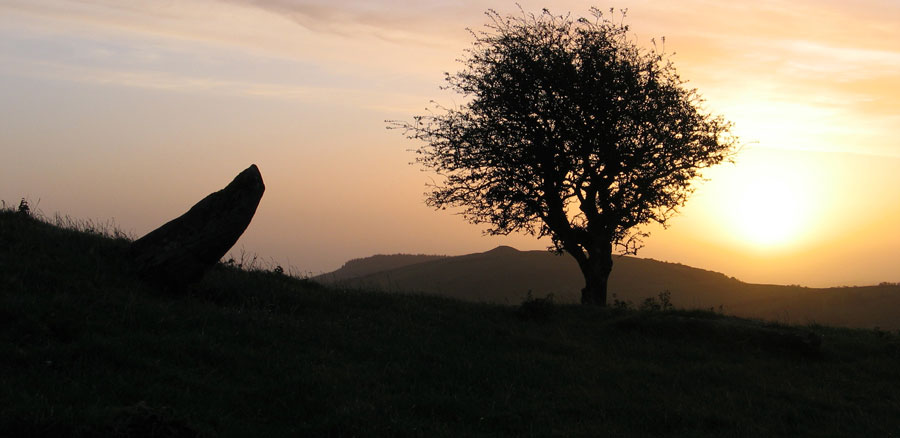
(87, 350)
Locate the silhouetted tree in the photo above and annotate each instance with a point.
(568, 130)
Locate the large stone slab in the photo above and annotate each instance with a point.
(179, 252)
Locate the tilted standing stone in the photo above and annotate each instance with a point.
(180, 251)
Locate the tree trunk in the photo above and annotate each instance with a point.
(596, 269)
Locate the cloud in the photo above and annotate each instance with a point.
(402, 22)
(847, 63)
(796, 52)
(390, 101)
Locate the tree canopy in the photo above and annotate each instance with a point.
(568, 130)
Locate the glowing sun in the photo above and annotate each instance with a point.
(769, 212)
(771, 199)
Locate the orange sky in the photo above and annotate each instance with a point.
(136, 110)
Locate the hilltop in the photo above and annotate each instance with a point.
(87, 350)
(505, 275)
(361, 268)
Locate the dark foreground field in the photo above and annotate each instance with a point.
(86, 350)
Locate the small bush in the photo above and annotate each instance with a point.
(659, 303)
(621, 305)
(24, 209)
(537, 309)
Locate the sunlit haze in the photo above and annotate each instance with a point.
(134, 110)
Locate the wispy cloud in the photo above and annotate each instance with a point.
(845, 63)
(355, 97)
(402, 22)
(789, 55)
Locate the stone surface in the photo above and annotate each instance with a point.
(179, 252)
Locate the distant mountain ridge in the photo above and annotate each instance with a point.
(506, 275)
(356, 268)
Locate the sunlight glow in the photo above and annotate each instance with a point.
(770, 199)
(770, 211)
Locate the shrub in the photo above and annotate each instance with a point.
(24, 209)
(659, 303)
(538, 309)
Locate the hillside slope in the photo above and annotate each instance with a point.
(505, 275)
(86, 350)
(359, 268)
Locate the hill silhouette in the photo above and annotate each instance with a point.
(363, 267)
(505, 275)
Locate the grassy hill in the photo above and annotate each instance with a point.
(87, 350)
(505, 275)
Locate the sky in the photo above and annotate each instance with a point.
(131, 111)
